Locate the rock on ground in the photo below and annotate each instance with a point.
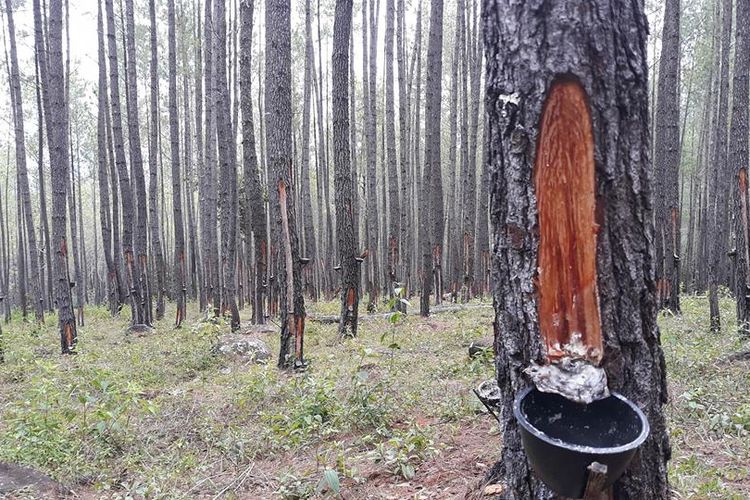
(16, 479)
(243, 348)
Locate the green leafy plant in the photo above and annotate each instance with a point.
(404, 451)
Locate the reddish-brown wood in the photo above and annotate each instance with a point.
(566, 201)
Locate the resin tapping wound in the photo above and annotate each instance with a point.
(565, 193)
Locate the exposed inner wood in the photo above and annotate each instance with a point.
(564, 184)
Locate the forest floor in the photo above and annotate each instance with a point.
(387, 415)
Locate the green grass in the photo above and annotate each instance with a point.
(160, 416)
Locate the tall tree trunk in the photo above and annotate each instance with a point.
(228, 162)
(404, 122)
(373, 286)
(417, 194)
(431, 202)
(308, 233)
(57, 135)
(394, 210)
(209, 179)
(254, 203)
(142, 282)
(719, 185)
(126, 193)
(278, 108)
(79, 282)
(104, 204)
(482, 250)
(42, 189)
(343, 186)
(470, 181)
(454, 221)
(157, 249)
(21, 170)
(560, 57)
(180, 285)
(738, 158)
(667, 163)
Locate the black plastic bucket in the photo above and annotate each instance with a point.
(562, 438)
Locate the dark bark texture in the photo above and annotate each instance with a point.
(278, 106)
(431, 199)
(344, 187)
(718, 190)
(59, 165)
(601, 44)
(667, 163)
(738, 158)
(253, 188)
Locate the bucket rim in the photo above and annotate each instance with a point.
(595, 450)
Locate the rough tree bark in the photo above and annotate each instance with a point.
(57, 135)
(310, 248)
(21, 170)
(454, 199)
(344, 187)
(157, 249)
(738, 158)
(180, 285)
(42, 189)
(596, 50)
(373, 287)
(404, 122)
(719, 185)
(208, 183)
(126, 192)
(104, 203)
(470, 181)
(431, 201)
(142, 281)
(394, 211)
(667, 162)
(253, 187)
(278, 108)
(228, 162)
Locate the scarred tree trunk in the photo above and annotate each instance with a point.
(344, 187)
(278, 108)
(593, 56)
(126, 193)
(142, 281)
(738, 158)
(253, 187)
(57, 134)
(21, 170)
(180, 264)
(667, 162)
